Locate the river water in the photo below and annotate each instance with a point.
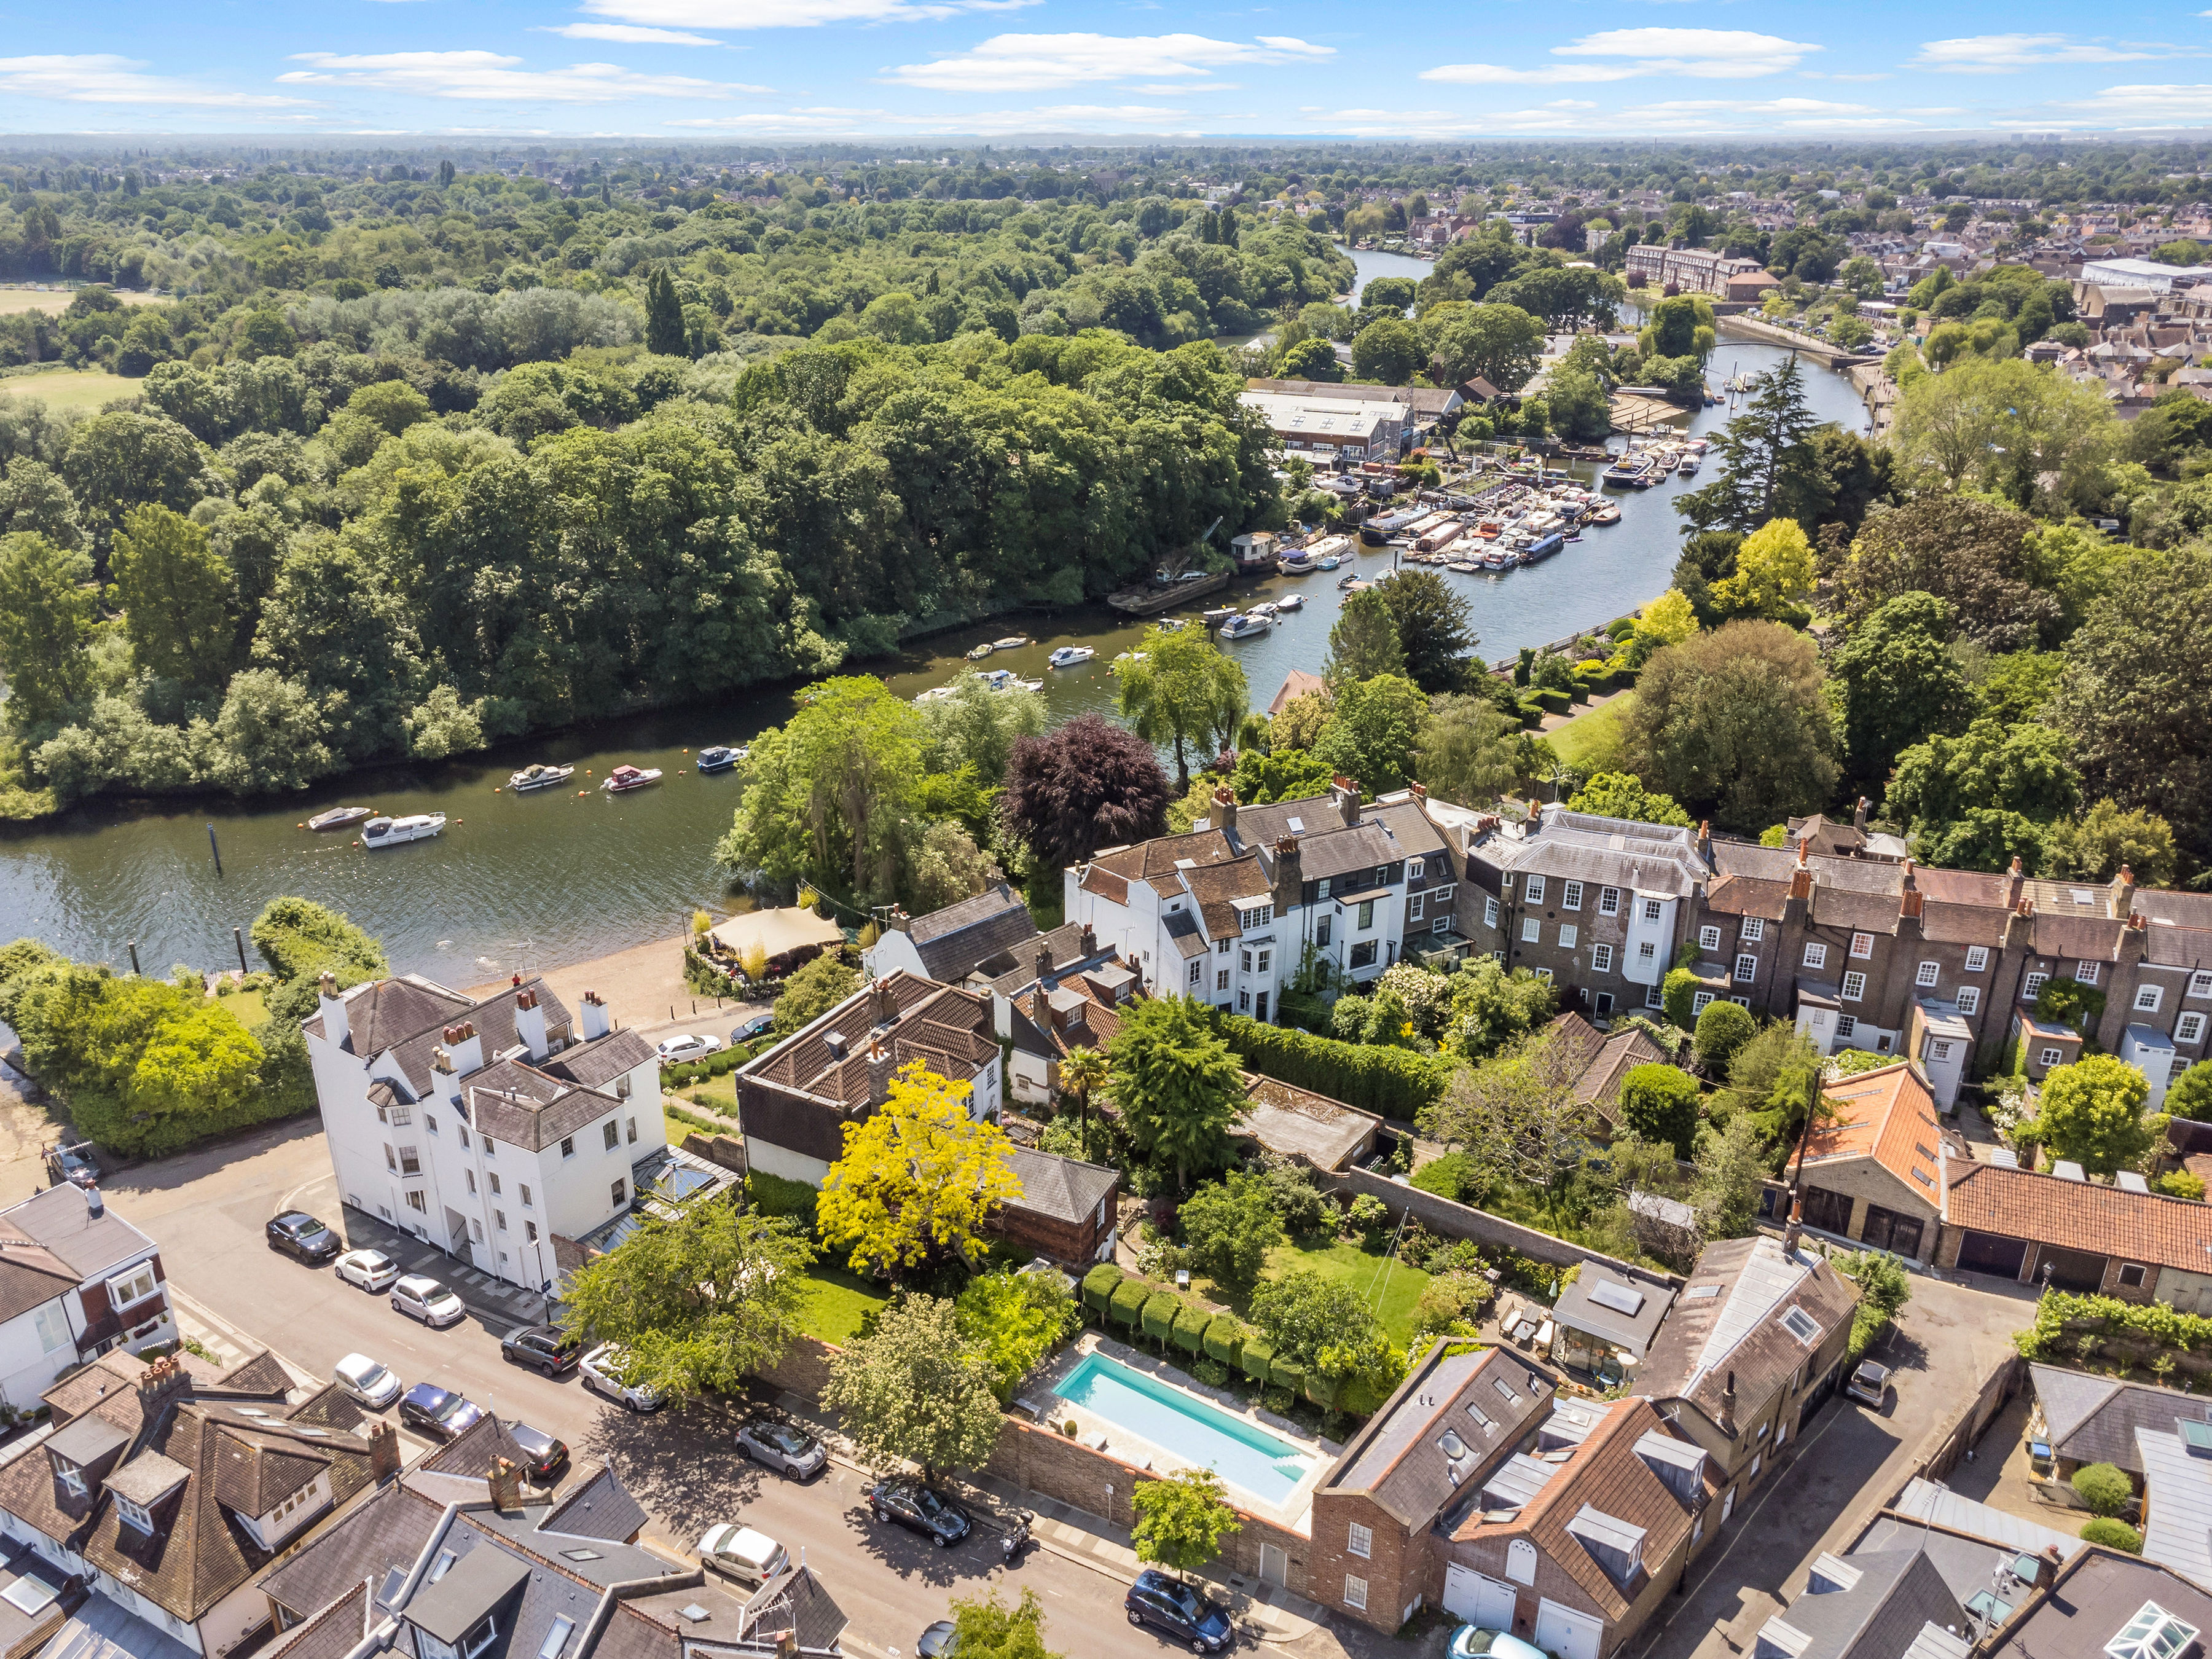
(521, 882)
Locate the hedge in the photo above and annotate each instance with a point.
(773, 1195)
(1360, 1398)
(1392, 1082)
(1225, 1339)
(1126, 1305)
(1190, 1327)
(2114, 1534)
(1099, 1285)
(1160, 1313)
(1258, 1359)
(1288, 1373)
(1322, 1389)
(1555, 702)
(1445, 1176)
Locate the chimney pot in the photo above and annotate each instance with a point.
(1043, 962)
(1090, 942)
(596, 1022)
(1859, 815)
(505, 1479)
(879, 1072)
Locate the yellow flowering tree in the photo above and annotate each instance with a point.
(1773, 571)
(1668, 620)
(919, 1180)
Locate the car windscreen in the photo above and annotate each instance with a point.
(784, 1438)
(372, 1375)
(1181, 1598)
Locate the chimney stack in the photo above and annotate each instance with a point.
(1727, 1407)
(1090, 942)
(880, 1071)
(1910, 903)
(166, 1376)
(594, 1015)
(466, 1047)
(1042, 962)
(901, 921)
(1796, 1230)
(2014, 882)
(1346, 793)
(1290, 885)
(2123, 892)
(1705, 840)
(382, 1452)
(884, 1004)
(504, 1477)
(1224, 809)
(1859, 815)
(530, 1024)
(334, 1009)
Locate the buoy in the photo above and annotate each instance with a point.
(298, 826)
(495, 789)
(356, 843)
(580, 793)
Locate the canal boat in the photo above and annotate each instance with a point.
(624, 779)
(1068, 655)
(1543, 547)
(1244, 627)
(1219, 615)
(390, 832)
(337, 817)
(722, 757)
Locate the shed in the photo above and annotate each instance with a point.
(1605, 1309)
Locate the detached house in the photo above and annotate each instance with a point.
(76, 1281)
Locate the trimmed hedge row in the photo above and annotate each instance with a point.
(1166, 1317)
(1393, 1082)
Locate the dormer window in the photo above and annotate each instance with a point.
(133, 1515)
(127, 1289)
(73, 1479)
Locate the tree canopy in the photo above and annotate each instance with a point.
(918, 1182)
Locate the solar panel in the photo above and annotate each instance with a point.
(1621, 1298)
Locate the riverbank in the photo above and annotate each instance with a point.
(1755, 329)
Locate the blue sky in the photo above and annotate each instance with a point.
(785, 69)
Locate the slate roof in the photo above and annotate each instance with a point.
(1064, 1188)
(1396, 1459)
(596, 1505)
(2097, 1592)
(386, 1530)
(333, 1633)
(955, 941)
(1607, 852)
(2177, 1530)
(470, 1453)
(1740, 1330)
(1601, 1059)
(2093, 1420)
(596, 1064)
(2075, 1215)
(58, 1221)
(31, 1275)
(525, 1105)
(385, 1012)
(1893, 1595)
(1633, 1331)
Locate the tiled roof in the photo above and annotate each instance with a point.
(333, 1633)
(470, 1453)
(1158, 856)
(494, 1019)
(1886, 1114)
(1864, 912)
(1962, 924)
(1738, 1330)
(1064, 1188)
(516, 1101)
(596, 1064)
(955, 941)
(2093, 1420)
(1297, 684)
(388, 1530)
(2076, 1215)
(389, 1010)
(2077, 938)
(1747, 895)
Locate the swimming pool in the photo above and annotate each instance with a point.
(1250, 1459)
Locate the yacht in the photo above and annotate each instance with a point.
(1004, 679)
(337, 817)
(1244, 627)
(1688, 468)
(539, 777)
(623, 779)
(390, 832)
(1068, 655)
(722, 757)
(1327, 562)
(1291, 602)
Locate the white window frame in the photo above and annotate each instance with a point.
(1531, 929)
(1861, 947)
(1698, 1001)
(1846, 1026)
(1601, 958)
(1753, 930)
(1977, 958)
(1747, 968)
(53, 1328)
(1927, 974)
(1854, 987)
(1967, 999)
(2190, 1029)
(1359, 1541)
(1645, 953)
(2148, 997)
(2031, 984)
(1568, 934)
(1489, 912)
(1413, 868)
(1571, 895)
(2051, 1057)
(1816, 954)
(2200, 984)
(1708, 939)
(2085, 973)
(1535, 890)
(1544, 974)
(1652, 909)
(132, 1286)
(1355, 1593)
(1443, 895)
(1608, 904)
(1414, 906)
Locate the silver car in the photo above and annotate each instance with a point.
(783, 1447)
(428, 1300)
(1870, 1384)
(603, 1370)
(372, 1384)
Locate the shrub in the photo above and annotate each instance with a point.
(1678, 992)
(1190, 1327)
(1288, 1373)
(1659, 1102)
(1258, 1357)
(1555, 702)
(2114, 1534)
(1452, 1299)
(2103, 1488)
(1368, 1212)
(1212, 1372)
(1723, 1029)
(1099, 1285)
(1160, 1313)
(1445, 1176)
(772, 1195)
(2180, 1183)
(1322, 1389)
(1277, 1400)
(1392, 1082)
(1225, 1339)
(1126, 1305)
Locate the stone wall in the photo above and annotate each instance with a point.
(803, 1369)
(1453, 1221)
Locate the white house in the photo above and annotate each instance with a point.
(76, 1281)
(486, 1127)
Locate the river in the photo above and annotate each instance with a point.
(521, 881)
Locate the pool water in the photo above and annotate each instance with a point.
(1250, 1459)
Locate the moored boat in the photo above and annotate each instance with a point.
(1244, 627)
(1011, 642)
(1068, 655)
(539, 777)
(980, 651)
(1292, 602)
(337, 817)
(390, 832)
(722, 757)
(623, 779)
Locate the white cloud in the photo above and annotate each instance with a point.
(1771, 106)
(2168, 106)
(630, 35)
(1049, 117)
(1700, 54)
(792, 121)
(788, 13)
(1028, 61)
(106, 78)
(487, 75)
(2002, 54)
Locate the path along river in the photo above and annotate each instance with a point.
(520, 882)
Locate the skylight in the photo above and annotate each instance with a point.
(581, 1555)
(2153, 1633)
(1801, 1325)
(1621, 1298)
(443, 1565)
(557, 1638)
(1452, 1446)
(1701, 1293)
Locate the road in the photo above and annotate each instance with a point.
(206, 1210)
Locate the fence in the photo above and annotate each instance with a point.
(1998, 1388)
(1456, 1220)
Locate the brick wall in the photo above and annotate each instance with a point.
(1865, 1182)
(1442, 1215)
(727, 1151)
(1397, 1567)
(803, 1369)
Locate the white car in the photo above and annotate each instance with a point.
(749, 1557)
(428, 1300)
(602, 1371)
(675, 1050)
(372, 1270)
(370, 1383)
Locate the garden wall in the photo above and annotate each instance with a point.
(803, 1369)
(1456, 1220)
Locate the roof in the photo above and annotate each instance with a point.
(2093, 1420)
(1609, 852)
(1598, 1302)
(385, 1012)
(333, 1633)
(1328, 417)
(1299, 682)
(2076, 1215)
(778, 932)
(470, 1453)
(102, 1629)
(449, 1609)
(1398, 1459)
(1064, 1188)
(61, 1229)
(1872, 1604)
(2177, 1529)
(596, 1064)
(1926, 1501)
(1736, 1329)
(1299, 1123)
(1886, 1114)
(596, 1505)
(2097, 1592)
(527, 1105)
(955, 941)
(1602, 1059)
(386, 1530)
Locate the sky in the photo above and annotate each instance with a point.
(779, 69)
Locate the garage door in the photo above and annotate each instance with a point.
(1486, 1603)
(2076, 1271)
(1989, 1253)
(1570, 1634)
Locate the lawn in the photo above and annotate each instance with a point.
(248, 1006)
(1591, 741)
(69, 391)
(54, 302)
(836, 1303)
(1389, 1286)
(716, 1094)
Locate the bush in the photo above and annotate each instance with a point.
(1126, 1305)
(1288, 1373)
(2103, 1488)
(1212, 1372)
(1659, 1102)
(1723, 1029)
(1225, 1339)
(1322, 1389)
(2114, 1534)
(772, 1195)
(1445, 1176)
(2180, 1183)
(1368, 1212)
(1390, 1081)
(1258, 1357)
(1678, 992)
(1190, 1327)
(1277, 1400)
(1100, 1284)
(1160, 1312)
(1555, 702)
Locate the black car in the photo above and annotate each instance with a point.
(438, 1413)
(543, 1456)
(919, 1509)
(1169, 1605)
(937, 1642)
(300, 1236)
(758, 1026)
(546, 1347)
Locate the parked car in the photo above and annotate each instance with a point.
(72, 1161)
(1169, 1605)
(739, 1552)
(697, 1045)
(920, 1508)
(1471, 1642)
(302, 1238)
(368, 1382)
(602, 1370)
(936, 1642)
(545, 1455)
(1870, 1384)
(438, 1413)
(758, 1026)
(428, 1300)
(546, 1347)
(372, 1270)
(783, 1447)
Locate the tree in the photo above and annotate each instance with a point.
(1659, 1103)
(1900, 682)
(702, 1299)
(2104, 840)
(663, 318)
(1435, 627)
(1313, 358)
(1766, 460)
(1388, 349)
(1323, 1322)
(1231, 1224)
(977, 727)
(2189, 1095)
(177, 593)
(1500, 343)
(1468, 749)
(270, 735)
(1299, 724)
(948, 866)
(1082, 786)
(45, 619)
(1371, 731)
(301, 940)
(2106, 1490)
(812, 992)
(1884, 1289)
(1363, 641)
(1014, 1320)
(1181, 1520)
(1260, 780)
(2004, 424)
(1723, 1029)
(1978, 798)
(1082, 1074)
(2092, 1111)
(1176, 1085)
(1182, 691)
(985, 1626)
(1622, 795)
(1731, 1175)
(1978, 557)
(1668, 620)
(34, 500)
(919, 1181)
(1773, 571)
(1516, 1116)
(120, 459)
(1734, 723)
(912, 1390)
(1491, 1007)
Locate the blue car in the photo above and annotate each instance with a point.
(1173, 1607)
(758, 1026)
(1468, 1642)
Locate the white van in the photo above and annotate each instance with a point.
(739, 1552)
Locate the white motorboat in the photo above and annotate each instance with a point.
(539, 777)
(390, 832)
(623, 779)
(1245, 627)
(1292, 602)
(1004, 679)
(1068, 655)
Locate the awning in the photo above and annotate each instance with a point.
(1361, 898)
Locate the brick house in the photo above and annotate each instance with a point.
(1603, 1061)
(2075, 1234)
(1066, 1210)
(1872, 1176)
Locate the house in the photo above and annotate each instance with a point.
(2105, 1602)
(2085, 1419)
(2062, 1230)
(1065, 994)
(484, 1126)
(1601, 1062)
(76, 1281)
(1871, 1604)
(1870, 1176)
(1991, 1561)
(983, 933)
(1754, 1344)
(2176, 1473)
(1606, 1317)
(1333, 430)
(1299, 682)
(1066, 1209)
(168, 1488)
(1574, 1550)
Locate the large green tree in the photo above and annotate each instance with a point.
(1371, 731)
(1183, 690)
(1500, 343)
(913, 1390)
(1435, 624)
(1468, 749)
(177, 593)
(45, 618)
(2092, 1111)
(1899, 680)
(1363, 640)
(1176, 1084)
(1734, 723)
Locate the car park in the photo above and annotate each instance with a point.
(1870, 1384)
(1171, 1606)
(438, 1413)
(739, 1552)
(603, 1370)
(367, 1381)
(1473, 1641)
(428, 1300)
(543, 1347)
(783, 1447)
(694, 1045)
(546, 1455)
(300, 1236)
(758, 1026)
(918, 1508)
(372, 1270)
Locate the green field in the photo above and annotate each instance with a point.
(72, 390)
(1592, 740)
(1389, 1286)
(836, 1303)
(53, 302)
